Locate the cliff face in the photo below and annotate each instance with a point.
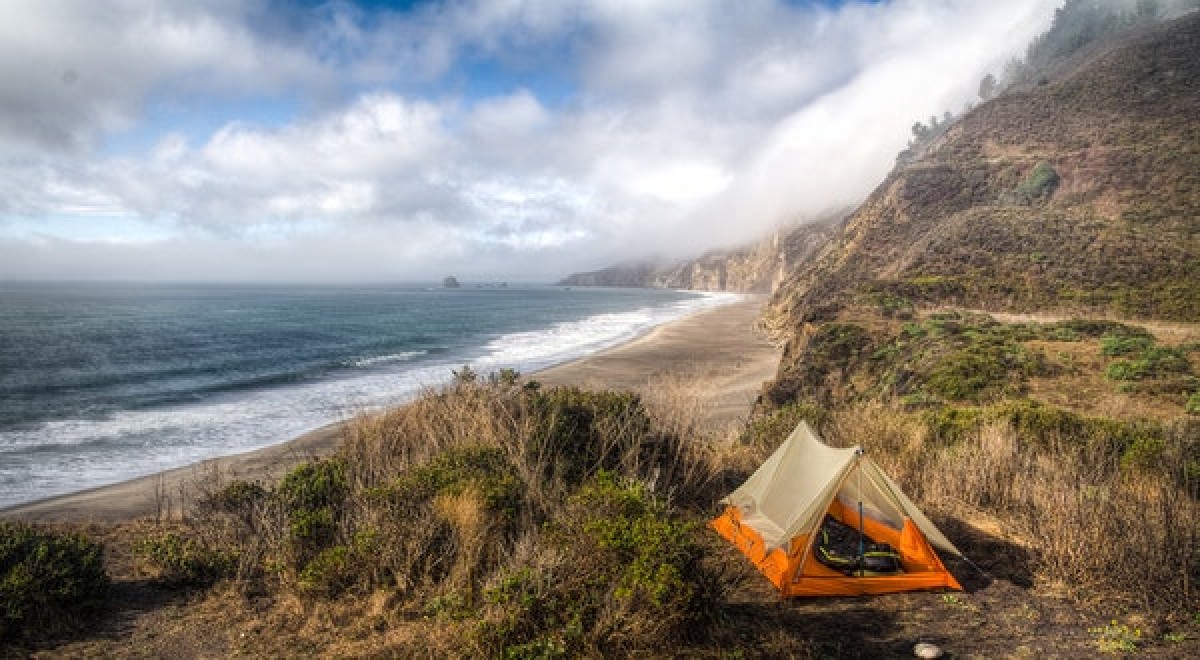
(757, 268)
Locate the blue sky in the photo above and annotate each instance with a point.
(497, 139)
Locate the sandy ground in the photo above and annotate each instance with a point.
(724, 359)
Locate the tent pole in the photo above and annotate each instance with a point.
(861, 547)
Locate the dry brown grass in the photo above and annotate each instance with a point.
(1095, 523)
(541, 521)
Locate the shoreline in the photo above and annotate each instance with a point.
(716, 349)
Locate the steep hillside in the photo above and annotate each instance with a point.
(1081, 196)
(1011, 324)
(756, 268)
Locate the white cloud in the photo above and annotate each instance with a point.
(686, 125)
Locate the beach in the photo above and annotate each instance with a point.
(718, 352)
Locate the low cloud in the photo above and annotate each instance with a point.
(612, 131)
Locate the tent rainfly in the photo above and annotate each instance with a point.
(776, 519)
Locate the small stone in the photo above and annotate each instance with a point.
(927, 650)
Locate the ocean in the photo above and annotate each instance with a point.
(100, 383)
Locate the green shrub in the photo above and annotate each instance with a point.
(1122, 370)
(312, 526)
(1193, 403)
(627, 575)
(331, 572)
(839, 342)
(951, 425)
(314, 485)
(532, 613)
(1040, 423)
(651, 550)
(236, 497)
(186, 561)
(1145, 452)
(506, 377)
(1103, 329)
(1041, 182)
(312, 495)
(485, 470)
(889, 304)
(1149, 361)
(1124, 345)
(243, 500)
(584, 430)
(770, 429)
(48, 580)
(1161, 361)
(967, 375)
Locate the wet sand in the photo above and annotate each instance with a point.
(718, 354)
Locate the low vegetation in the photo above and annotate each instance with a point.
(955, 357)
(50, 582)
(497, 518)
(947, 402)
(533, 522)
(1104, 506)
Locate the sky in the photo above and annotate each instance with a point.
(515, 140)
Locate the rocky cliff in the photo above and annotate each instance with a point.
(755, 268)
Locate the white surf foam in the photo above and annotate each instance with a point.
(403, 356)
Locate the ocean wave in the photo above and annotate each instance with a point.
(403, 356)
(568, 340)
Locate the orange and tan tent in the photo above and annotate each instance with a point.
(775, 519)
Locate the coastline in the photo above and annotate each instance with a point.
(716, 350)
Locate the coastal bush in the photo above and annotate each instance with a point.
(312, 495)
(642, 584)
(1111, 344)
(314, 485)
(484, 470)
(889, 304)
(1151, 362)
(831, 356)
(188, 561)
(1041, 182)
(585, 431)
(330, 573)
(963, 357)
(768, 430)
(444, 522)
(952, 424)
(1146, 366)
(49, 581)
(242, 501)
(236, 497)
(542, 520)
(968, 375)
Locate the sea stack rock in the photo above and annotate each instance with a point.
(450, 282)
